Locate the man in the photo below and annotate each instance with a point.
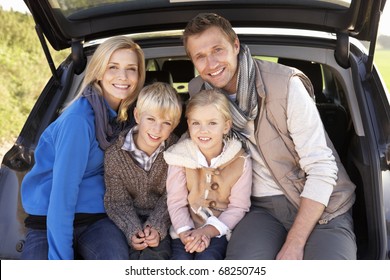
(301, 194)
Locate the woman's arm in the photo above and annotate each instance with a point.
(73, 138)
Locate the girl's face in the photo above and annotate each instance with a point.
(153, 129)
(207, 127)
(120, 78)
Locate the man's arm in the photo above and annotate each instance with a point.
(308, 215)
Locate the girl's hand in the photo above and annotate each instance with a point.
(204, 244)
(185, 237)
(196, 244)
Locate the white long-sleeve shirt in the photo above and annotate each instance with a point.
(316, 158)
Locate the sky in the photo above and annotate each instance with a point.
(384, 25)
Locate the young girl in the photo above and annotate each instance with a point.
(135, 173)
(63, 193)
(209, 180)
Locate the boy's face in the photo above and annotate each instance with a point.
(153, 129)
(215, 58)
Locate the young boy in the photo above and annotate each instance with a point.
(135, 173)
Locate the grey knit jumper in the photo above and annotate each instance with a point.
(134, 197)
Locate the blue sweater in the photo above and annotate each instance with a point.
(67, 177)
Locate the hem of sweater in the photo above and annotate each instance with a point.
(43, 211)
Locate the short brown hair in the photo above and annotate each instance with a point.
(203, 22)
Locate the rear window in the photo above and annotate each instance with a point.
(78, 7)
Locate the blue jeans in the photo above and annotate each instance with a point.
(215, 251)
(161, 252)
(101, 240)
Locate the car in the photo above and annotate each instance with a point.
(321, 38)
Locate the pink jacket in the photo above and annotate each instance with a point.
(218, 195)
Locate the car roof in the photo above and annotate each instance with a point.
(66, 21)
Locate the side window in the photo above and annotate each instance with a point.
(151, 65)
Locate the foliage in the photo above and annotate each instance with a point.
(23, 71)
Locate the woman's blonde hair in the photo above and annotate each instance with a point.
(210, 97)
(162, 97)
(98, 65)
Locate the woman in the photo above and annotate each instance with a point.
(63, 193)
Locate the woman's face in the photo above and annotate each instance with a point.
(120, 78)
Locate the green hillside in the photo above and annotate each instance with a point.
(23, 71)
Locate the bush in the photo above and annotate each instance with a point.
(23, 71)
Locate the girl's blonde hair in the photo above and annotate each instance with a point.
(162, 97)
(98, 65)
(210, 97)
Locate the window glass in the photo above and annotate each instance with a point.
(70, 7)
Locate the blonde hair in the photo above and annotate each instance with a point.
(163, 97)
(98, 65)
(210, 97)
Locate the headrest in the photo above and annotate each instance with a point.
(311, 69)
(182, 71)
(158, 76)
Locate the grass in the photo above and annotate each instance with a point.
(382, 62)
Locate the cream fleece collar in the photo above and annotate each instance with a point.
(184, 153)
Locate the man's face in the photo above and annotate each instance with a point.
(215, 58)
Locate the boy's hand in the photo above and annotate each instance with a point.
(152, 237)
(138, 241)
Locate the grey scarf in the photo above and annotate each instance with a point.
(246, 107)
(107, 130)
